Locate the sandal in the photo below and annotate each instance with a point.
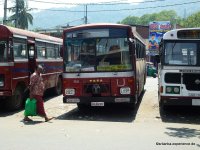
(48, 119)
(27, 119)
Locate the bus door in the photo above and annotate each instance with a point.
(31, 56)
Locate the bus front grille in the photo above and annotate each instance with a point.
(192, 81)
(96, 89)
(173, 78)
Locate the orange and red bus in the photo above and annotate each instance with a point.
(103, 63)
(20, 52)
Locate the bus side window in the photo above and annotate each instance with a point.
(31, 52)
(2, 51)
(41, 52)
(20, 50)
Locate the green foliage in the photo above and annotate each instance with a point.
(24, 18)
(130, 20)
(166, 15)
(192, 21)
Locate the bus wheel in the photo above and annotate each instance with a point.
(131, 106)
(58, 88)
(162, 106)
(16, 101)
(82, 107)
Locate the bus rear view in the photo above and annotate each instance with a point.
(179, 71)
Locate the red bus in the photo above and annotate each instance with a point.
(20, 52)
(103, 63)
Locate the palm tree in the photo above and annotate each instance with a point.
(21, 16)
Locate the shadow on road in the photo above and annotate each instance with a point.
(183, 132)
(181, 114)
(112, 113)
(32, 122)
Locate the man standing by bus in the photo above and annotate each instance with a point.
(37, 88)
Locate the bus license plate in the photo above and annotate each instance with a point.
(195, 102)
(97, 103)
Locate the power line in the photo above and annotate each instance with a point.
(140, 8)
(170, 5)
(100, 3)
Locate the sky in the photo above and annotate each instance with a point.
(40, 5)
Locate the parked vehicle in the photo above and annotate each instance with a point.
(151, 70)
(103, 63)
(20, 52)
(179, 70)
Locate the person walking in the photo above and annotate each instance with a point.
(37, 88)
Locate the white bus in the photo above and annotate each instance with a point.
(179, 68)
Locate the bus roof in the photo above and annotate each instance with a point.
(6, 32)
(102, 25)
(96, 25)
(173, 34)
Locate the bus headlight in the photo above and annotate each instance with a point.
(173, 89)
(176, 90)
(125, 90)
(168, 89)
(69, 91)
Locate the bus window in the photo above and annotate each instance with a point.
(41, 52)
(113, 54)
(181, 53)
(3, 52)
(50, 51)
(57, 50)
(31, 51)
(20, 50)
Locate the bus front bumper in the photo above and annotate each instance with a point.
(180, 101)
(89, 100)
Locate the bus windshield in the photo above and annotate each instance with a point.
(180, 53)
(3, 51)
(97, 54)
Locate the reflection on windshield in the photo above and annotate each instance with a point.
(100, 54)
(181, 53)
(3, 52)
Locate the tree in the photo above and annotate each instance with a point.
(21, 16)
(192, 21)
(130, 20)
(165, 15)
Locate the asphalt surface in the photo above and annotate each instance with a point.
(112, 127)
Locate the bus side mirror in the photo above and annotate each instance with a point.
(132, 45)
(157, 58)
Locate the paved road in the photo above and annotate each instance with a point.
(108, 128)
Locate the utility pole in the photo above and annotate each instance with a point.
(5, 12)
(17, 13)
(85, 17)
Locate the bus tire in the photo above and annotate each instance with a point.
(58, 87)
(16, 101)
(130, 106)
(162, 106)
(82, 107)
